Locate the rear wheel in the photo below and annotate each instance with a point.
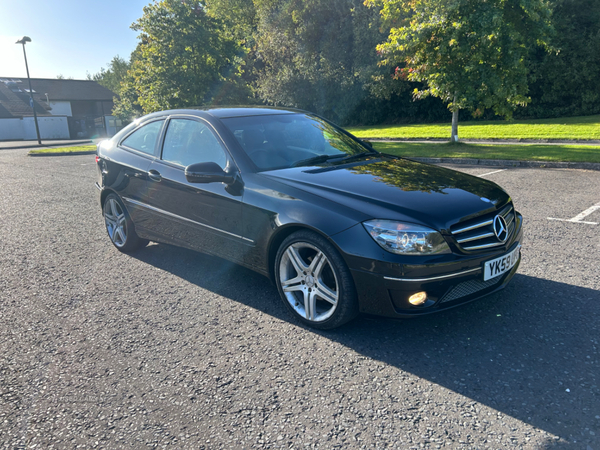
(119, 226)
(314, 281)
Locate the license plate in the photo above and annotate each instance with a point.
(498, 266)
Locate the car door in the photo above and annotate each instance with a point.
(125, 168)
(203, 216)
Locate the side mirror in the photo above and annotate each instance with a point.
(208, 172)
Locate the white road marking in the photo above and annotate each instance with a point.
(489, 173)
(578, 218)
(586, 213)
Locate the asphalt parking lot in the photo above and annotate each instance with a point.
(173, 348)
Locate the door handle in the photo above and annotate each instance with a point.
(154, 175)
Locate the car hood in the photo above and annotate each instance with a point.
(383, 187)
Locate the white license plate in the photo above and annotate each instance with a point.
(500, 265)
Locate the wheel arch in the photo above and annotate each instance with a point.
(105, 193)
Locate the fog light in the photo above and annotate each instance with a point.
(418, 299)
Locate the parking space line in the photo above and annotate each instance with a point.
(578, 218)
(489, 173)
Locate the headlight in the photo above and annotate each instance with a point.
(405, 238)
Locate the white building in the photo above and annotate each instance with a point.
(65, 109)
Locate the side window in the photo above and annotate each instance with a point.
(144, 139)
(189, 142)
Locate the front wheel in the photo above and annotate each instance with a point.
(119, 225)
(314, 281)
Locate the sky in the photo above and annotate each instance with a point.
(68, 37)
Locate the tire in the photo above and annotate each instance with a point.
(314, 281)
(119, 226)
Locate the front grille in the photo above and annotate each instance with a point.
(478, 234)
(468, 288)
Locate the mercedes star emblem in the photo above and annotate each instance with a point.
(500, 228)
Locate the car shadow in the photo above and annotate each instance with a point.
(530, 351)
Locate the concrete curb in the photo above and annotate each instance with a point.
(36, 145)
(62, 154)
(591, 142)
(511, 163)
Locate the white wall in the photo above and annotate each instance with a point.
(61, 109)
(50, 128)
(11, 129)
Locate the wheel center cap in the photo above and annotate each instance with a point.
(310, 281)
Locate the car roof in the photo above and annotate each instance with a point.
(241, 111)
(225, 112)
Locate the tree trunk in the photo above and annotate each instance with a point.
(454, 137)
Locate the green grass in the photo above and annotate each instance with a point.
(581, 128)
(521, 152)
(76, 148)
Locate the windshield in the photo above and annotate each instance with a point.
(289, 140)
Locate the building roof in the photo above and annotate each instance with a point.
(15, 104)
(69, 90)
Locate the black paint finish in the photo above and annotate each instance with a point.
(246, 220)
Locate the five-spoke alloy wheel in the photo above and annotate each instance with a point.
(119, 226)
(314, 281)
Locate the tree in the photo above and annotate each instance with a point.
(112, 77)
(240, 24)
(565, 83)
(470, 53)
(315, 54)
(184, 58)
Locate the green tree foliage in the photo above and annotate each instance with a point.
(239, 17)
(112, 77)
(319, 55)
(565, 82)
(240, 24)
(184, 58)
(469, 53)
(315, 54)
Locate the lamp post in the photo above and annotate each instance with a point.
(23, 41)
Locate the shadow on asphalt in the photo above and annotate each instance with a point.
(530, 351)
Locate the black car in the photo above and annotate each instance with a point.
(339, 227)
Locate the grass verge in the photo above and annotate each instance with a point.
(577, 128)
(76, 148)
(520, 152)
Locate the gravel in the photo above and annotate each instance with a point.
(172, 348)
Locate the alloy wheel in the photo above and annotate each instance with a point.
(116, 222)
(309, 282)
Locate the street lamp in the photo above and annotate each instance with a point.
(23, 41)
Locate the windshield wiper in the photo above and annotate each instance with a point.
(315, 160)
(323, 158)
(358, 155)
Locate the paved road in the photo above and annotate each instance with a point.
(173, 348)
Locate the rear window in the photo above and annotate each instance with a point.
(144, 139)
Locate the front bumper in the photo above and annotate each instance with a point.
(384, 284)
